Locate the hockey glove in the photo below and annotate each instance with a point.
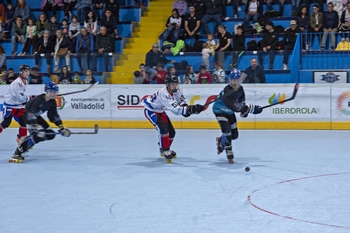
(64, 131)
(195, 109)
(255, 109)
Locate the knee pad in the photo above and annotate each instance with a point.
(234, 134)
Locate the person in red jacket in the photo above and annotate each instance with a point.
(204, 77)
(160, 74)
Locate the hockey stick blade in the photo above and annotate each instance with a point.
(94, 132)
(296, 87)
(75, 92)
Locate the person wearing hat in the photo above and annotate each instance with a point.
(268, 44)
(288, 42)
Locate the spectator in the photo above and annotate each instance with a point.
(77, 79)
(53, 77)
(64, 27)
(51, 5)
(219, 74)
(110, 22)
(288, 42)
(53, 26)
(104, 46)
(236, 8)
(172, 71)
(190, 77)
(330, 22)
(174, 27)
(3, 63)
(268, 44)
(35, 78)
(295, 6)
(65, 77)
(90, 23)
(224, 44)
(22, 10)
(3, 76)
(137, 2)
(89, 79)
(316, 22)
(319, 4)
(211, 42)
(303, 21)
(160, 75)
(141, 76)
(68, 6)
(74, 30)
(84, 47)
(41, 25)
(337, 6)
(212, 13)
(254, 73)
(10, 12)
(113, 6)
(63, 46)
(11, 76)
(45, 45)
(206, 51)
(181, 6)
(204, 77)
(238, 45)
(83, 6)
(30, 37)
(271, 2)
(96, 6)
(345, 22)
(153, 57)
(200, 7)
(192, 23)
(2, 13)
(253, 10)
(19, 31)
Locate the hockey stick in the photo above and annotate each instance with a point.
(94, 132)
(296, 87)
(74, 92)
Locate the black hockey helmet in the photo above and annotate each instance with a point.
(171, 78)
(22, 68)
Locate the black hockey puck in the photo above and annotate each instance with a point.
(247, 169)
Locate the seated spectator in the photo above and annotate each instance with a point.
(204, 77)
(345, 22)
(77, 79)
(74, 30)
(219, 74)
(41, 25)
(3, 63)
(174, 27)
(103, 46)
(51, 5)
(238, 45)
(35, 78)
(288, 42)
(45, 45)
(171, 70)
(53, 26)
(192, 23)
(11, 76)
(141, 76)
(280, 2)
(65, 77)
(89, 79)
(190, 77)
(330, 22)
(90, 23)
(30, 37)
(53, 77)
(212, 13)
(211, 42)
(3, 76)
(84, 47)
(64, 27)
(236, 8)
(316, 22)
(96, 6)
(68, 6)
(268, 44)
(161, 74)
(113, 6)
(7, 22)
(19, 32)
(254, 73)
(319, 4)
(253, 10)
(181, 6)
(22, 10)
(83, 6)
(63, 46)
(110, 22)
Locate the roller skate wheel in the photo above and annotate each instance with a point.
(170, 161)
(230, 161)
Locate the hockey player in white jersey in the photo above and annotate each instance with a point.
(14, 102)
(168, 98)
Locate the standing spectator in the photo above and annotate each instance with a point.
(53, 26)
(174, 27)
(192, 23)
(65, 77)
(64, 27)
(206, 51)
(204, 77)
(83, 6)
(96, 6)
(11, 76)
(44, 45)
(153, 57)
(90, 23)
(77, 79)
(330, 22)
(22, 10)
(268, 44)
(113, 6)
(212, 13)
(288, 42)
(345, 22)
(104, 46)
(200, 7)
(238, 45)
(254, 73)
(253, 10)
(236, 8)
(190, 77)
(303, 22)
(110, 22)
(51, 5)
(63, 48)
(224, 44)
(41, 25)
(19, 32)
(3, 63)
(181, 6)
(74, 30)
(35, 78)
(316, 23)
(271, 2)
(89, 79)
(219, 74)
(30, 37)
(84, 47)
(68, 6)
(160, 75)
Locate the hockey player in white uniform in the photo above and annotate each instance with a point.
(168, 98)
(14, 102)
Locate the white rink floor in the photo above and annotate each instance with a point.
(115, 181)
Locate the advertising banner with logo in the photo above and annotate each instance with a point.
(340, 103)
(330, 76)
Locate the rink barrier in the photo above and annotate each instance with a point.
(321, 106)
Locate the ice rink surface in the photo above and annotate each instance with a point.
(116, 181)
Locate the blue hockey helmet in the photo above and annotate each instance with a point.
(51, 86)
(235, 74)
